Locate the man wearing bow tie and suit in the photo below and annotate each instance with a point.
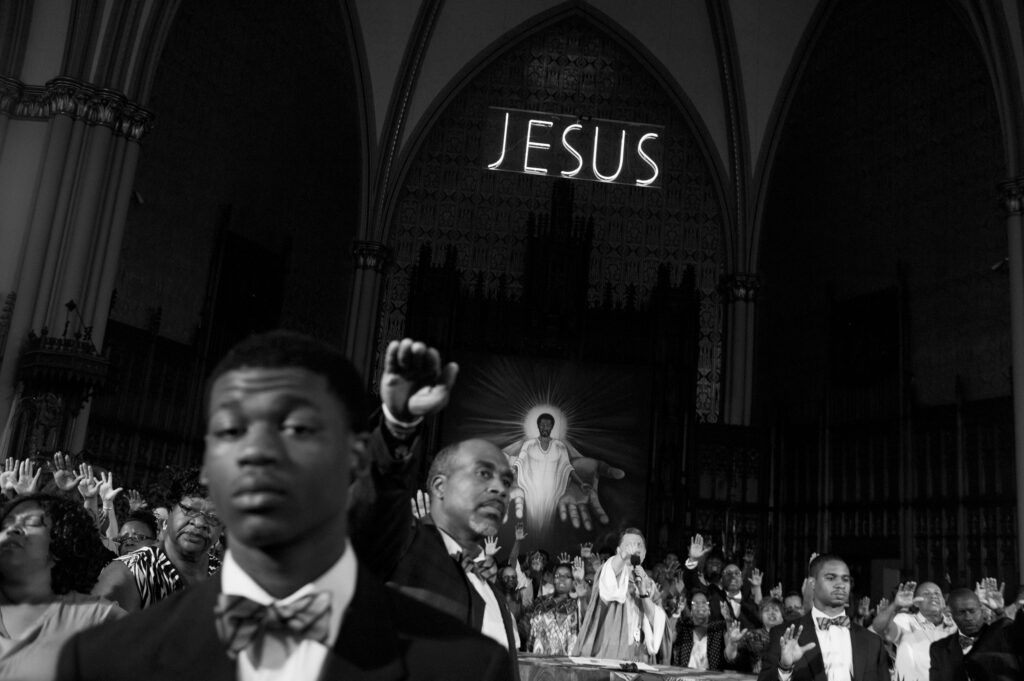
(824, 645)
(433, 560)
(286, 436)
(979, 651)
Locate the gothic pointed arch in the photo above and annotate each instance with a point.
(568, 61)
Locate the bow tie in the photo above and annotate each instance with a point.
(966, 641)
(736, 598)
(825, 622)
(241, 622)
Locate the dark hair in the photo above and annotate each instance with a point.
(769, 602)
(819, 561)
(790, 594)
(547, 416)
(144, 516)
(281, 348)
(185, 483)
(568, 566)
(962, 593)
(75, 545)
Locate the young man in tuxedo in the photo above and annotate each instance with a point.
(286, 436)
(824, 645)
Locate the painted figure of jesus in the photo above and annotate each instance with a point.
(543, 469)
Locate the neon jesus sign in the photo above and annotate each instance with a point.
(578, 148)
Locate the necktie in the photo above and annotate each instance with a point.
(825, 622)
(241, 622)
(966, 641)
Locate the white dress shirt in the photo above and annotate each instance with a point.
(493, 625)
(913, 636)
(836, 650)
(286, 657)
(699, 653)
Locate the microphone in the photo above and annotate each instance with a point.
(634, 560)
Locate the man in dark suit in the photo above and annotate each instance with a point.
(824, 644)
(286, 436)
(435, 560)
(978, 651)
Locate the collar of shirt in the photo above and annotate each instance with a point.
(339, 580)
(453, 547)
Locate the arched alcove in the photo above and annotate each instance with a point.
(448, 197)
(884, 337)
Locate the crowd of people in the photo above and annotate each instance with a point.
(309, 546)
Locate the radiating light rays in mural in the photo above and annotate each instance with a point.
(594, 410)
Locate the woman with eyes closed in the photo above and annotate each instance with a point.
(50, 555)
(149, 574)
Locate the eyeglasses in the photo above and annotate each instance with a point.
(192, 513)
(27, 520)
(132, 537)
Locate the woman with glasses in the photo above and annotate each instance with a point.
(139, 530)
(149, 574)
(50, 555)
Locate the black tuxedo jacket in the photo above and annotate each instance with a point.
(683, 645)
(870, 661)
(997, 654)
(410, 555)
(750, 615)
(384, 636)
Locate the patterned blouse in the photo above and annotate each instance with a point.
(155, 575)
(554, 625)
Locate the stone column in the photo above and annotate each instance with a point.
(740, 293)
(67, 183)
(372, 259)
(1013, 201)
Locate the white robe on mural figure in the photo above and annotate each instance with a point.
(543, 475)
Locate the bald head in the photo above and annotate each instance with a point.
(469, 484)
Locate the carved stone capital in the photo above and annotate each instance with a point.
(65, 96)
(1011, 193)
(741, 287)
(371, 255)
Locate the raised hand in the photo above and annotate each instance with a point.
(813, 556)
(28, 478)
(586, 548)
(88, 486)
(748, 556)
(63, 474)
(520, 531)
(491, 546)
(864, 607)
(136, 501)
(8, 476)
(792, 651)
(883, 604)
(578, 569)
(776, 592)
(726, 611)
(563, 557)
(414, 383)
(698, 549)
(990, 593)
(106, 490)
(904, 597)
(420, 504)
(756, 577)
(734, 633)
